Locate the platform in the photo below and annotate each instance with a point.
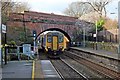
(100, 52)
(48, 70)
(17, 70)
(44, 70)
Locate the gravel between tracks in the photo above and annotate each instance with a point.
(83, 69)
(93, 66)
(66, 71)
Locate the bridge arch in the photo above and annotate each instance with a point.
(56, 29)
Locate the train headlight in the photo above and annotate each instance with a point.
(48, 47)
(61, 47)
(55, 53)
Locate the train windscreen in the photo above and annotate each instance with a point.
(49, 39)
(60, 38)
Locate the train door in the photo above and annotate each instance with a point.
(55, 42)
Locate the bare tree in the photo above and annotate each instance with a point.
(99, 6)
(8, 6)
(20, 7)
(12, 7)
(16, 7)
(77, 9)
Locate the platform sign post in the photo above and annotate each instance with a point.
(4, 30)
(0, 44)
(0, 38)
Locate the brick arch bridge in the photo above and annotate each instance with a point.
(42, 21)
(56, 29)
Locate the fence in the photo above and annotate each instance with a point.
(107, 46)
(16, 53)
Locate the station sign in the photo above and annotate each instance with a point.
(4, 28)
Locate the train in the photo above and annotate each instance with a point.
(54, 43)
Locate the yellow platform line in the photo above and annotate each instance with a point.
(33, 70)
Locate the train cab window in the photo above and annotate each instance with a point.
(60, 38)
(49, 38)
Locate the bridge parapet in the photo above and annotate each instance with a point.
(41, 21)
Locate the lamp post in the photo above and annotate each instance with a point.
(96, 34)
(113, 13)
(81, 25)
(84, 37)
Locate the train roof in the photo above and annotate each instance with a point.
(46, 32)
(66, 38)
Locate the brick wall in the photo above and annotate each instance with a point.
(40, 21)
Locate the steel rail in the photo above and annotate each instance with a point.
(84, 77)
(59, 73)
(91, 63)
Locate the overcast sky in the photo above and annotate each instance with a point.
(58, 6)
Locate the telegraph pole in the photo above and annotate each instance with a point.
(24, 27)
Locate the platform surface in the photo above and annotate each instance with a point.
(17, 70)
(100, 52)
(49, 71)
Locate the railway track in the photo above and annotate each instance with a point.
(103, 70)
(89, 73)
(66, 71)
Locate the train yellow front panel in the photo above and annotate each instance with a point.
(55, 41)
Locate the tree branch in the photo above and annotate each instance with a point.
(5, 5)
(91, 5)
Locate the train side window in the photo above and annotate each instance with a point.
(49, 39)
(60, 38)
